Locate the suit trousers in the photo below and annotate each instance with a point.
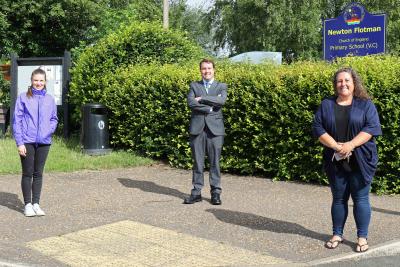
(200, 144)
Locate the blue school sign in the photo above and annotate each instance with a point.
(354, 33)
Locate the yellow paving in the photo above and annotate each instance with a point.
(129, 243)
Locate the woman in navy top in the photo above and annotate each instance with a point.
(346, 125)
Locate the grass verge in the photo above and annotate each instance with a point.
(66, 156)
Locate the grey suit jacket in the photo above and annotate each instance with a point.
(208, 111)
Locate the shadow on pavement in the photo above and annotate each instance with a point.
(11, 201)
(392, 212)
(257, 222)
(151, 187)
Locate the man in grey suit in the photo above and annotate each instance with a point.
(206, 99)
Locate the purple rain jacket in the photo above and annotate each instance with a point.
(35, 118)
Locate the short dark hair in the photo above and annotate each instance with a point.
(207, 60)
(359, 90)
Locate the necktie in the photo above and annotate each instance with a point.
(207, 86)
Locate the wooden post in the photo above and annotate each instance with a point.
(165, 14)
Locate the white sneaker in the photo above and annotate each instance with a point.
(38, 211)
(28, 211)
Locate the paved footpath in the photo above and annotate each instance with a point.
(135, 217)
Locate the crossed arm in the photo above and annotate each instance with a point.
(205, 103)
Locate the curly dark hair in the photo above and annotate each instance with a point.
(359, 90)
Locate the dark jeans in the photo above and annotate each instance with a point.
(344, 185)
(32, 171)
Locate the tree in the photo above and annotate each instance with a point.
(246, 25)
(122, 13)
(4, 42)
(191, 20)
(38, 28)
(48, 27)
(289, 26)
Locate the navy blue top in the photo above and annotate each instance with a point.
(363, 118)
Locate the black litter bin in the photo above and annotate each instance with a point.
(94, 134)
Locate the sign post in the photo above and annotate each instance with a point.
(354, 33)
(57, 74)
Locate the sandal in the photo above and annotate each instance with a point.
(333, 243)
(360, 248)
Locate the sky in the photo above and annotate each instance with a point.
(200, 3)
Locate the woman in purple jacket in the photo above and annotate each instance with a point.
(34, 122)
(346, 125)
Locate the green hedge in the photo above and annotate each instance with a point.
(4, 91)
(268, 115)
(268, 124)
(138, 43)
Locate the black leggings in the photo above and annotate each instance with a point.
(32, 171)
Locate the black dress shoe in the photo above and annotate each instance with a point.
(215, 199)
(192, 199)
